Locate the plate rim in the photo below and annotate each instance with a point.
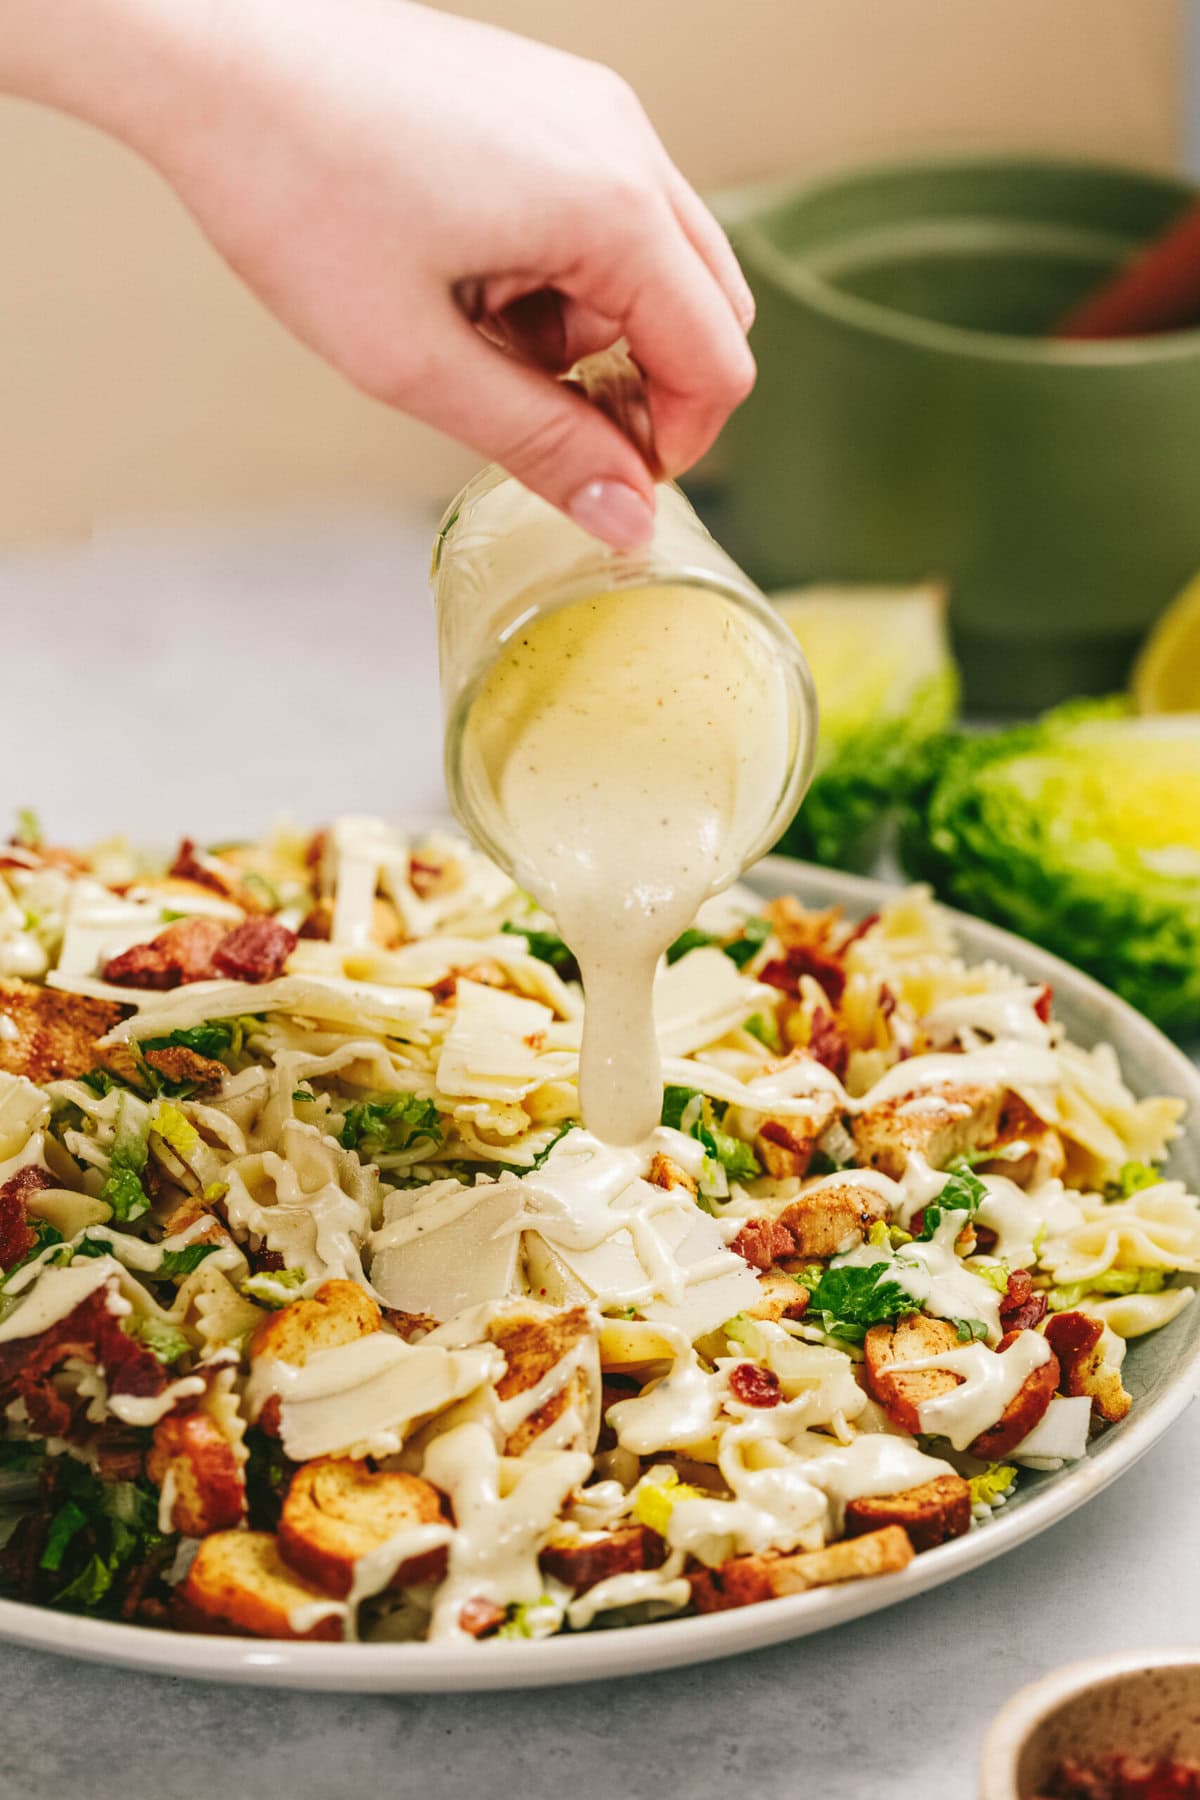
(669, 1643)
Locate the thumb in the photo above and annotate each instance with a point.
(547, 435)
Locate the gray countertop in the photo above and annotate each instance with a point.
(206, 681)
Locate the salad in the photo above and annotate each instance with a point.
(322, 1316)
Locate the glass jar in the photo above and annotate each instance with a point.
(503, 558)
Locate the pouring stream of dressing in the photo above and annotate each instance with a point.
(631, 750)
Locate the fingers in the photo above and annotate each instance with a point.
(540, 430)
(681, 328)
(551, 330)
(709, 241)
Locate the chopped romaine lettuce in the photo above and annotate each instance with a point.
(388, 1123)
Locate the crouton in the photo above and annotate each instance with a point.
(828, 1220)
(667, 1174)
(930, 1514)
(55, 1033)
(780, 1297)
(1025, 1410)
(747, 1579)
(533, 1346)
(338, 1313)
(190, 1451)
(239, 1579)
(902, 1392)
(581, 1563)
(936, 1123)
(1078, 1342)
(337, 1510)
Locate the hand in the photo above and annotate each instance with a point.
(400, 186)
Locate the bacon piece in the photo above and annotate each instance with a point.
(254, 951)
(480, 1617)
(17, 1237)
(763, 1242)
(755, 1386)
(1078, 1343)
(181, 953)
(90, 1332)
(828, 1043)
(1021, 1308)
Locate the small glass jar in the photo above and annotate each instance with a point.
(503, 557)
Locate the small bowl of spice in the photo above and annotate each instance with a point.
(1118, 1728)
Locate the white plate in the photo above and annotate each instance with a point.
(1162, 1371)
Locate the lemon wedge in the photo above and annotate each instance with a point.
(1166, 675)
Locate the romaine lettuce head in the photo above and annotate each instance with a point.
(887, 688)
(1081, 831)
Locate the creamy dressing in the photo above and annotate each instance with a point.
(503, 1510)
(666, 1587)
(988, 1382)
(630, 751)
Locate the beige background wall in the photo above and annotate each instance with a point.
(136, 378)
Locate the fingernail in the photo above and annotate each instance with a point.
(614, 511)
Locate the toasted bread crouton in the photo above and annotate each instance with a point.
(829, 1220)
(1045, 1157)
(533, 1347)
(192, 1454)
(337, 1510)
(665, 1173)
(1078, 1342)
(930, 1514)
(902, 1392)
(338, 1313)
(55, 1033)
(239, 1579)
(581, 1563)
(781, 1296)
(748, 1579)
(1025, 1410)
(936, 1123)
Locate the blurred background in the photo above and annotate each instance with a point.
(139, 382)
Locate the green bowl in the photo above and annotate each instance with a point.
(910, 420)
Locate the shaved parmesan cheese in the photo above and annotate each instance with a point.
(493, 1050)
(361, 1398)
(701, 997)
(399, 1012)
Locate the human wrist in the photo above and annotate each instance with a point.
(125, 66)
